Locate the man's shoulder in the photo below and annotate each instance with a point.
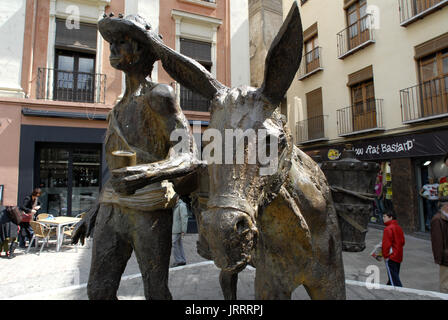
(161, 90)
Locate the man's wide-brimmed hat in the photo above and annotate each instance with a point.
(134, 26)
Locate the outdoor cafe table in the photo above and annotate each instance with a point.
(59, 222)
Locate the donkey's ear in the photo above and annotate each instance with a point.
(283, 58)
(188, 72)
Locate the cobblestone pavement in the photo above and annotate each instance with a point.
(63, 275)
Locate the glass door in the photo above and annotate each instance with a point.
(86, 178)
(70, 178)
(53, 175)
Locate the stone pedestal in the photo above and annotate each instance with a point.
(404, 193)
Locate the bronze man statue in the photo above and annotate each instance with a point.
(278, 215)
(134, 209)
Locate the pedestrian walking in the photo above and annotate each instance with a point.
(180, 222)
(439, 243)
(379, 203)
(430, 193)
(392, 248)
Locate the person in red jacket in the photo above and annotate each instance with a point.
(392, 247)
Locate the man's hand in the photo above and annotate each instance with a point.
(84, 228)
(128, 180)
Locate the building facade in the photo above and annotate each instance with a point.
(374, 74)
(57, 86)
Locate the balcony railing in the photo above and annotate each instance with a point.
(312, 129)
(362, 117)
(356, 36)
(60, 85)
(192, 101)
(412, 10)
(311, 63)
(425, 101)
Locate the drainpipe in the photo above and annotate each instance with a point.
(33, 42)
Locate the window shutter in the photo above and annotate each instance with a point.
(360, 76)
(431, 46)
(310, 32)
(82, 39)
(314, 104)
(198, 50)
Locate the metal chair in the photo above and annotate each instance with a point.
(40, 232)
(42, 216)
(68, 231)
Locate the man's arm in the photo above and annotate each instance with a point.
(128, 180)
(386, 243)
(184, 217)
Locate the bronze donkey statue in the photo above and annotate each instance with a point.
(284, 223)
(279, 218)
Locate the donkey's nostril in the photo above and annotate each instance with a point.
(242, 225)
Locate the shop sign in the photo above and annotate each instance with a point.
(333, 154)
(383, 149)
(414, 145)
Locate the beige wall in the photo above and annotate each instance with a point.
(392, 57)
(10, 142)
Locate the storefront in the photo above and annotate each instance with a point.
(406, 161)
(67, 163)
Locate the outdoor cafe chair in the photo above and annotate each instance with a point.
(41, 216)
(40, 232)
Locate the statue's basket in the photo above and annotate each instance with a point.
(352, 183)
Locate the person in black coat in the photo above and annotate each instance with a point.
(31, 204)
(8, 233)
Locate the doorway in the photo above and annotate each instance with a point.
(69, 176)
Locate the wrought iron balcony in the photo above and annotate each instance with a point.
(412, 10)
(311, 63)
(425, 101)
(312, 129)
(360, 118)
(356, 36)
(60, 85)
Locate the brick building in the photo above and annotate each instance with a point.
(57, 86)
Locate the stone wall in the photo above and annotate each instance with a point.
(265, 19)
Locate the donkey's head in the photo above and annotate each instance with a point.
(249, 152)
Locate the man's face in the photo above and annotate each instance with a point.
(386, 218)
(125, 53)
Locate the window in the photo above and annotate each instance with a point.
(314, 110)
(366, 111)
(74, 76)
(414, 10)
(433, 71)
(363, 104)
(357, 25)
(201, 52)
(312, 54)
(359, 32)
(75, 52)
